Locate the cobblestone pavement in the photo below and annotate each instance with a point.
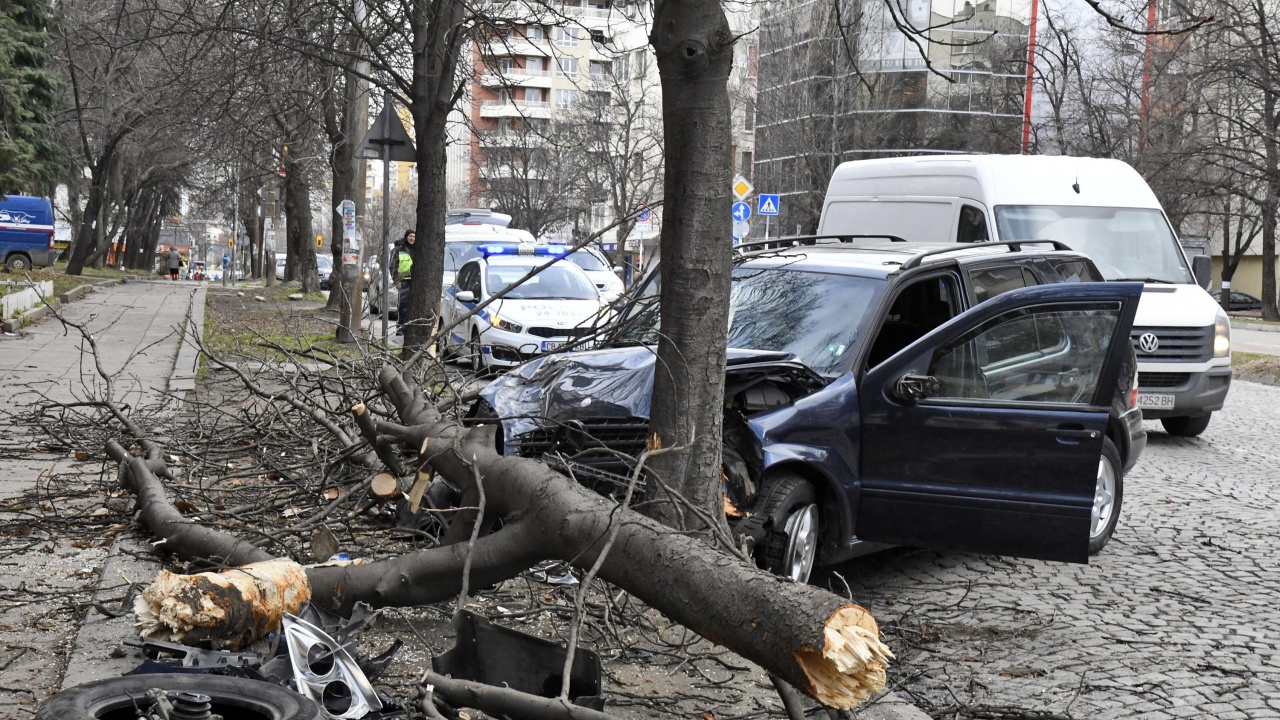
(1178, 617)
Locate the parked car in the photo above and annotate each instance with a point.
(1239, 300)
(324, 266)
(26, 232)
(965, 398)
(558, 305)
(597, 267)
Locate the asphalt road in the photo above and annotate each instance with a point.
(1255, 341)
(1177, 617)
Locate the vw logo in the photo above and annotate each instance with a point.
(1149, 343)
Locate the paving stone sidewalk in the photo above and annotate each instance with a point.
(46, 582)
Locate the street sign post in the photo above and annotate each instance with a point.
(741, 211)
(768, 206)
(741, 229)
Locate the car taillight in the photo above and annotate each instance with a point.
(51, 240)
(1133, 389)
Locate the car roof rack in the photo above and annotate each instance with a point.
(1012, 245)
(783, 243)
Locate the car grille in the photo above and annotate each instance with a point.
(547, 332)
(1162, 380)
(599, 453)
(1176, 344)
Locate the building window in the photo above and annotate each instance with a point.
(749, 114)
(535, 32)
(567, 36)
(598, 37)
(621, 67)
(533, 95)
(566, 98)
(504, 65)
(504, 97)
(567, 67)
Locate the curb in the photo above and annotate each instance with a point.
(1252, 325)
(1260, 379)
(890, 706)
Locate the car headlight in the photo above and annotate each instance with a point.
(504, 324)
(1221, 335)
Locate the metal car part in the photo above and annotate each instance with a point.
(326, 673)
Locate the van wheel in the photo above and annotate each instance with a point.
(791, 547)
(1108, 493)
(19, 262)
(1186, 426)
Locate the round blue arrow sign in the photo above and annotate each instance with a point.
(741, 211)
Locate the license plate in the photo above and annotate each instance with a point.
(1155, 402)
(549, 345)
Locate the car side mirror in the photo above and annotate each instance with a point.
(1202, 268)
(466, 296)
(914, 388)
(617, 268)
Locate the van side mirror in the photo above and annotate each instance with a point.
(1202, 268)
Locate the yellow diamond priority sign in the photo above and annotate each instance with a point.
(742, 188)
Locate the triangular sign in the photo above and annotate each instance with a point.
(387, 136)
(767, 207)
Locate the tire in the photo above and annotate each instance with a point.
(237, 697)
(1186, 426)
(790, 548)
(1108, 495)
(18, 262)
(474, 355)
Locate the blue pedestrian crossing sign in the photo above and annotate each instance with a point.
(769, 205)
(741, 211)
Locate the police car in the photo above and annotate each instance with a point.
(554, 307)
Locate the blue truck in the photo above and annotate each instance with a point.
(26, 232)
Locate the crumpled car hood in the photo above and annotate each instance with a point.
(606, 384)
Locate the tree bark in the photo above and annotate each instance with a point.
(694, 46)
(297, 209)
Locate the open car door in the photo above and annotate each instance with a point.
(985, 435)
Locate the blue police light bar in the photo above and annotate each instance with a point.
(523, 249)
(499, 249)
(550, 250)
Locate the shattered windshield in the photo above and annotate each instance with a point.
(812, 315)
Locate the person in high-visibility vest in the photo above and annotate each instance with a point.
(402, 272)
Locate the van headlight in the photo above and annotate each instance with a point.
(1221, 335)
(504, 324)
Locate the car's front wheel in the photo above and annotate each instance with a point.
(19, 263)
(791, 547)
(1186, 426)
(474, 353)
(1108, 492)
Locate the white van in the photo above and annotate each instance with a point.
(1099, 207)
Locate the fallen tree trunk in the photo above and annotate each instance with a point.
(823, 645)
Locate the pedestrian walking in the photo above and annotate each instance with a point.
(175, 263)
(402, 273)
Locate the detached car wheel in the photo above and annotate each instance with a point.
(1186, 426)
(791, 546)
(1108, 493)
(229, 697)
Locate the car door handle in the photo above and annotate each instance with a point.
(1064, 432)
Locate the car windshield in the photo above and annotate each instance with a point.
(1125, 243)
(553, 283)
(324, 262)
(587, 261)
(812, 315)
(457, 253)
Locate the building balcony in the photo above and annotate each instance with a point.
(516, 77)
(515, 109)
(503, 139)
(510, 47)
(508, 172)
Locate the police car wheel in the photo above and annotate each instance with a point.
(474, 354)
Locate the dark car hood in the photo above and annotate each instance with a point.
(601, 384)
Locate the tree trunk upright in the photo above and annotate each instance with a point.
(694, 46)
(297, 208)
(437, 45)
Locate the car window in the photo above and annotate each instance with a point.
(918, 308)
(465, 279)
(1077, 271)
(553, 283)
(457, 253)
(1046, 355)
(973, 225)
(587, 261)
(992, 281)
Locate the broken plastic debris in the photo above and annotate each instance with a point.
(325, 672)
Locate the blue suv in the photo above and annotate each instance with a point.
(977, 398)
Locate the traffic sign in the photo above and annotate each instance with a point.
(231, 242)
(644, 214)
(319, 241)
(387, 139)
(741, 229)
(769, 204)
(741, 187)
(741, 211)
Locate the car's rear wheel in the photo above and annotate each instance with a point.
(1186, 426)
(19, 262)
(228, 697)
(791, 546)
(1108, 493)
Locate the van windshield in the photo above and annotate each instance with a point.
(1125, 243)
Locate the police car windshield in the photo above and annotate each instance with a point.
(587, 261)
(457, 253)
(553, 283)
(814, 316)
